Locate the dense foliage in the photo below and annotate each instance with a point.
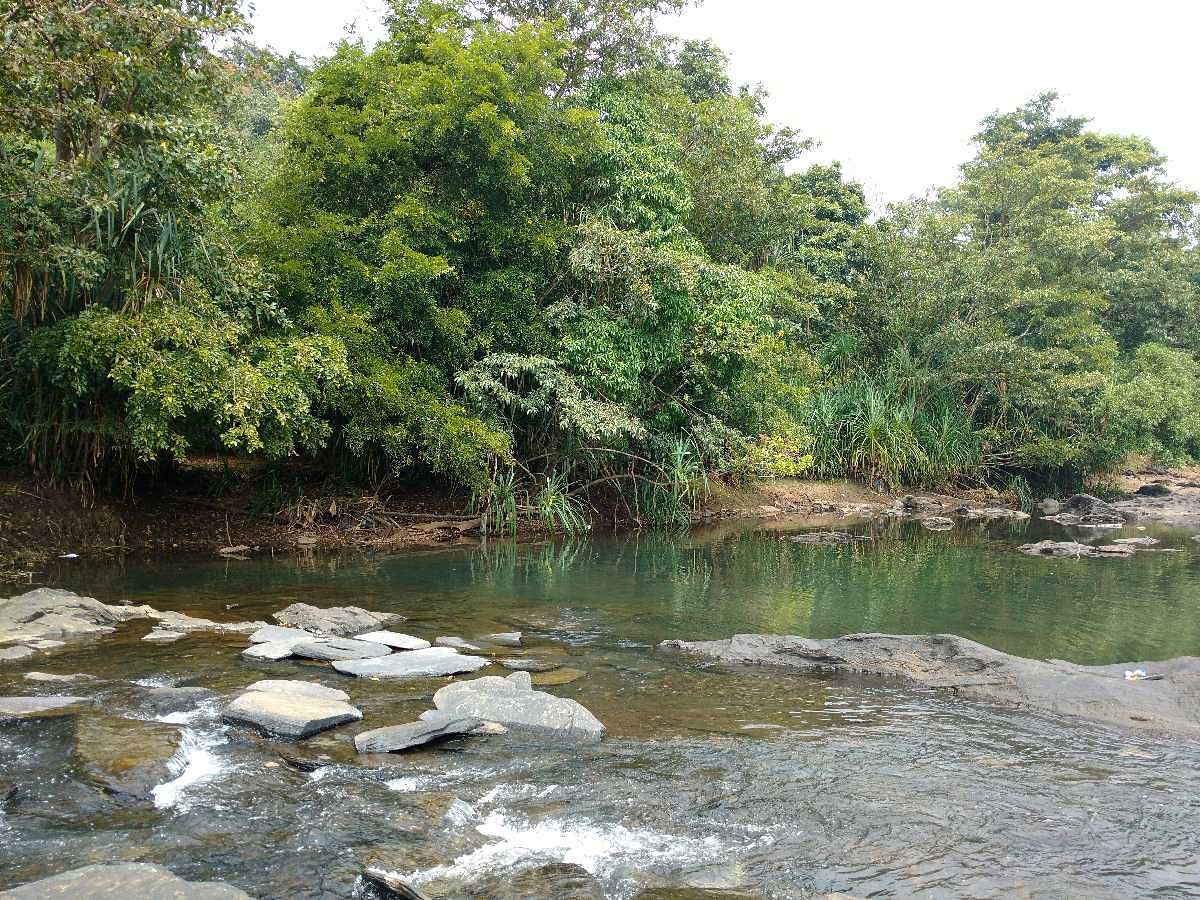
(536, 248)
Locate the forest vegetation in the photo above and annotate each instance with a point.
(542, 251)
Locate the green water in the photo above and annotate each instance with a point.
(648, 587)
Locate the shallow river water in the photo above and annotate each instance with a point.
(713, 782)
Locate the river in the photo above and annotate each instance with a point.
(713, 782)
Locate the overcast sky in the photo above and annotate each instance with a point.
(895, 90)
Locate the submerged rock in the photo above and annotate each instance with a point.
(290, 714)
(504, 638)
(12, 708)
(53, 678)
(412, 664)
(394, 639)
(126, 756)
(336, 621)
(457, 643)
(825, 538)
(971, 670)
(158, 636)
(558, 676)
(177, 699)
(512, 701)
(937, 523)
(414, 734)
(339, 648)
(394, 883)
(520, 664)
(123, 881)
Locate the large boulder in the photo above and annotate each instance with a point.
(414, 734)
(291, 714)
(1168, 704)
(512, 701)
(1094, 509)
(336, 621)
(123, 881)
(52, 613)
(428, 663)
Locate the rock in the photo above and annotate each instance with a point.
(414, 734)
(271, 633)
(976, 672)
(273, 650)
(12, 708)
(288, 714)
(51, 678)
(394, 639)
(1050, 507)
(505, 638)
(1064, 519)
(339, 648)
(413, 664)
(1137, 541)
(394, 883)
(558, 676)
(163, 637)
(989, 513)
(457, 643)
(512, 701)
(1154, 489)
(1113, 550)
(300, 688)
(16, 654)
(825, 538)
(177, 621)
(123, 881)
(165, 700)
(911, 504)
(1086, 505)
(529, 665)
(52, 613)
(1057, 548)
(937, 523)
(336, 621)
(126, 756)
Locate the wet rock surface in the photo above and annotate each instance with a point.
(12, 708)
(123, 881)
(435, 726)
(395, 640)
(513, 702)
(291, 714)
(971, 670)
(339, 648)
(336, 621)
(412, 664)
(125, 756)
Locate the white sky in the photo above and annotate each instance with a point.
(895, 90)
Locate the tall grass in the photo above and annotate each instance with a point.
(874, 431)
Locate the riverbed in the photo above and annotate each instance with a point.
(713, 782)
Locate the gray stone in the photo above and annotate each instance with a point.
(991, 512)
(273, 650)
(53, 613)
(1170, 704)
(505, 638)
(177, 699)
(123, 881)
(394, 883)
(414, 734)
(15, 654)
(176, 621)
(157, 636)
(302, 688)
(52, 678)
(1050, 507)
(937, 523)
(1137, 541)
(339, 648)
(825, 538)
(1085, 505)
(1073, 549)
(270, 633)
(288, 714)
(394, 639)
(336, 621)
(457, 643)
(1154, 489)
(41, 707)
(520, 664)
(512, 701)
(413, 664)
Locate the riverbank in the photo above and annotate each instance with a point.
(202, 512)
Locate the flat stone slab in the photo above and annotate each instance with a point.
(158, 636)
(125, 756)
(273, 650)
(457, 643)
(302, 688)
(512, 701)
(505, 638)
(269, 633)
(394, 738)
(336, 621)
(412, 664)
(971, 670)
(123, 881)
(394, 639)
(16, 654)
(556, 677)
(521, 664)
(54, 678)
(288, 714)
(339, 648)
(41, 707)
